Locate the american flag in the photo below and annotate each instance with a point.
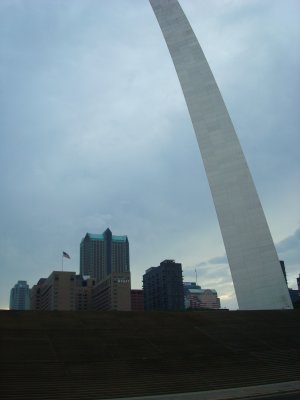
(66, 255)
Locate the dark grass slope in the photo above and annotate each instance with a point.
(92, 355)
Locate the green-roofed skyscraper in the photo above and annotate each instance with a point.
(102, 254)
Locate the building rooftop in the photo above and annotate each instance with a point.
(196, 291)
(101, 236)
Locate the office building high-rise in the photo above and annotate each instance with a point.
(66, 291)
(20, 296)
(163, 288)
(103, 254)
(62, 291)
(55, 293)
(254, 264)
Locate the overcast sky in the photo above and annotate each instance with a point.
(95, 133)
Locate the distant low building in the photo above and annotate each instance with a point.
(112, 293)
(20, 296)
(294, 293)
(295, 296)
(83, 293)
(196, 297)
(137, 300)
(67, 291)
(36, 295)
(163, 289)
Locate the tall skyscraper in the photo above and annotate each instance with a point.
(256, 273)
(20, 296)
(163, 287)
(103, 254)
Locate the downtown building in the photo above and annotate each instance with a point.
(163, 287)
(66, 291)
(294, 293)
(137, 300)
(102, 254)
(103, 283)
(112, 293)
(62, 291)
(20, 296)
(55, 293)
(196, 298)
(105, 258)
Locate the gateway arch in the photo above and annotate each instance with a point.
(256, 272)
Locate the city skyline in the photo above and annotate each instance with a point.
(77, 76)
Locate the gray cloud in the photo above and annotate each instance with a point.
(95, 132)
(290, 243)
(218, 260)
